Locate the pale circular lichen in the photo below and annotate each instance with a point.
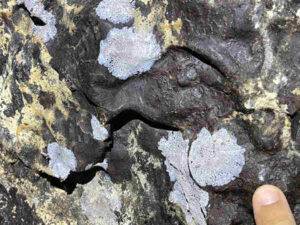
(116, 11)
(62, 160)
(126, 52)
(100, 133)
(215, 159)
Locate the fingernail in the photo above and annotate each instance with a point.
(268, 196)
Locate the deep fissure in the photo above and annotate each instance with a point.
(200, 57)
(127, 116)
(69, 185)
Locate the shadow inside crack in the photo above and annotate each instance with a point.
(129, 115)
(37, 21)
(73, 179)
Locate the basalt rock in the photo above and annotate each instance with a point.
(96, 129)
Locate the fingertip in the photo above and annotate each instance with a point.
(270, 206)
(266, 195)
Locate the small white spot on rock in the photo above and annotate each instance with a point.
(215, 159)
(191, 199)
(36, 8)
(298, 13)
(100, 133)
(126, 52)
(103, 164)
(116, 11)
(262, 173)
(62, 160)
(89, 166)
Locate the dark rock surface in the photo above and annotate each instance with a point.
(15, 210)
(230, 65)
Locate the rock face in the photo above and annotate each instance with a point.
(167, 93)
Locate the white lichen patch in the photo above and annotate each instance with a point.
(36, 8)
(185, 193)
(126, 52)
(62, 160)
(215, 159)
(191, 199)
(116, 11)
(175, 150)
(100, 133)
(100, 200)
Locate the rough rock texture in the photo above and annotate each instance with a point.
(230, 65)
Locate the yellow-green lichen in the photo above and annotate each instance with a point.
(170, 30)
(51, 205)
(68, 12)
(27, 124)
